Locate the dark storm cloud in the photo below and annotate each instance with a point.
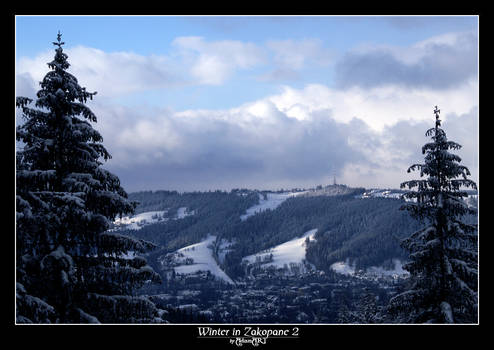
(224, 153)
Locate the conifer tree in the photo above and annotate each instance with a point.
(344, 314)
(69, 268)
(368, 311)
(443, 260)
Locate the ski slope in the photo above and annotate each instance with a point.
(202, 258)
(272, 201)
(288, 253)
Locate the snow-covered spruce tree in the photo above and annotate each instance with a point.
(368, 311)
(69, 269)
(443, 260)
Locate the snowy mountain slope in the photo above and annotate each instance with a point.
(348, 224)
(182, 212)
(286, 254)
(136, 222)
(272, 201)
(332, 190)
(195, 258)
(381, 193)
(471, 199)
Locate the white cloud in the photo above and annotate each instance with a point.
(299, 137)
(377, 107)
(290, 59)
(193, 61)
(296, 54)
(214, 62)
(366, 134)
(110, 74)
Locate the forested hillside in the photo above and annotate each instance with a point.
(366, 231)
(213, 212)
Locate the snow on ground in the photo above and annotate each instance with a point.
(291, 252)
(136, 222)
(472, 200)
(345, 268)
(223, 247)
(380, 271)
(129, 255)
(272, 202)
(182, 212)
(382, 193)
(202, 258)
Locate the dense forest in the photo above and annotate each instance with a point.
(367, 232)
(213, 212)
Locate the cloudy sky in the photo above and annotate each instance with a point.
(222, 102)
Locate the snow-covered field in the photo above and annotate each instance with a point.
(272, 202)
(291, 252)
(344, 268)
(380, 271)
(201, 255)
(382, 193)
(182, 212)
(136, 222)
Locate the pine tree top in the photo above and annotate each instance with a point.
(436, 113)
(445, 179)
(59, 42)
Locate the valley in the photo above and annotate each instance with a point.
(288, 256)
